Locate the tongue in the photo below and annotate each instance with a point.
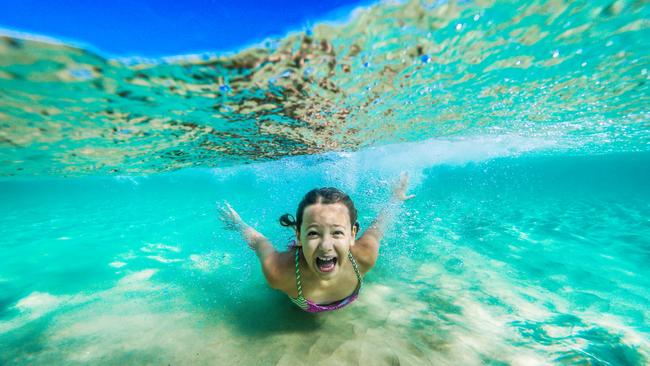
(326, 266)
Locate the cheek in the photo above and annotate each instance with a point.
(309, 247)
(344, 244)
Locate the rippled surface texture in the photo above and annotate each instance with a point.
(575, 71)
(524, 129)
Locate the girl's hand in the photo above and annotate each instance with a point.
(230, 218)
(399, 189)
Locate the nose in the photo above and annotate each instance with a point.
(327, 243)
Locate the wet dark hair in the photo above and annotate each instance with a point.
(327, 195)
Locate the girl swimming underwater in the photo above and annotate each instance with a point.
(324, 268)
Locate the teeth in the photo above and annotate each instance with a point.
(325, 260)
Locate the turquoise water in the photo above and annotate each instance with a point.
(527, 243)
(534, 259)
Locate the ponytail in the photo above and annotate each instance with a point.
(288, 220)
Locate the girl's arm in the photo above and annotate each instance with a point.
(270, 259)
(366, 249)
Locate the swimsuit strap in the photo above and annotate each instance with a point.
(298, 282)
(354, 265)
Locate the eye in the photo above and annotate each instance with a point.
(339, 233)
(312, 233)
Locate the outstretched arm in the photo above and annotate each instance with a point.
(270, 259)
(366, 249)
(255, 240)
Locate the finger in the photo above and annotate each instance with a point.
(219, 206)
(223, 216)
(232, 210)
(226, 212)
(227, 209)
(233, 213)
(223, 212)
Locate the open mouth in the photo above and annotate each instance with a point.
(325, 264)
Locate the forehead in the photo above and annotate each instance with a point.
(330, 214)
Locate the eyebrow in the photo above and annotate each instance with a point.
(318, 225)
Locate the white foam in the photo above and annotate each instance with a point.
(412, 155)
(454, 151)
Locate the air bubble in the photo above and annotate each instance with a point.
(556, 53)
(459, 26)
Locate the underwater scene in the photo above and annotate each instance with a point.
(524, 128)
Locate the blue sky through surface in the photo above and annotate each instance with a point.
(153, 28)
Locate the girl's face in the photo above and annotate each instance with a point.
(326, 236)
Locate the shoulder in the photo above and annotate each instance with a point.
(279, 270)
(365, 252)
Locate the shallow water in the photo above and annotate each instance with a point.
(539, 258)
(527, 242)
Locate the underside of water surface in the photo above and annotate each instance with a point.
(524, 129)
(575, 71)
